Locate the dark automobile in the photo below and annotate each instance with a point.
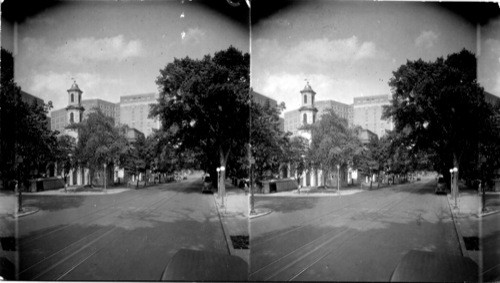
(440, 185)
(207, 185)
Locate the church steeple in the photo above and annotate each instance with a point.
(74, 110)
(307, 110)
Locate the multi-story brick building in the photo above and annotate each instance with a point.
(109, 109)
(134, 111)
(59, 118)
(293, 120)
(367, 113)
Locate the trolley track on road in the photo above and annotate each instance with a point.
(73, 255)
(314, 250)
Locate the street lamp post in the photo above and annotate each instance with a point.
(452, 189)
(218, 181)
(18, 189)
(65, 175)
(338, 179)
(105, 178)
(252, 199)
(455, 181)
(223, 190)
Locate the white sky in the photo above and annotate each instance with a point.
(115, 48)
(344, 49)
(349, 49)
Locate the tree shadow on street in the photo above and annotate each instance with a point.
(53, 203)
(284, 205)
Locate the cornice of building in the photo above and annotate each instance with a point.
(310, 108)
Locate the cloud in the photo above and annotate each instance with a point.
(54, 85)
(193, 36)
(285, 87)
(426, 39)
(83, 50)
(317, 53)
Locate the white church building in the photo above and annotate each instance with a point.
(314, 177)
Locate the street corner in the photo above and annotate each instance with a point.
(488, 211)
(259, 212)
(27, 210)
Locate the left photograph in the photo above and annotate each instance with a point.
(124, 140)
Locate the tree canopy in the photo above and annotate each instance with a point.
(27, 144)
(333, 143)
(99, 142)
(439, 108)
(203, 104)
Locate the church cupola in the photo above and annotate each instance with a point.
(74, 110)
(307, 110)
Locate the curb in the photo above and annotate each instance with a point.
(225, 229)
(259, 214)
(488, 213)
(28, 211)
(463, 249)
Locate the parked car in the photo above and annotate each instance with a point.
(207, 185)
(440, 185)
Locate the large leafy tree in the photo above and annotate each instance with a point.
(440, 109)
(333, 143)
(295, 154)
(267, 139)
(27, 145)
(99, 142)
(203, 104)
(65, 154)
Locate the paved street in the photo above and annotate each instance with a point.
(126, 236)
(360, 237)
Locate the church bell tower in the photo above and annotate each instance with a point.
(74, 110)
(307, 110)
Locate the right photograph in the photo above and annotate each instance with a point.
(375, 141)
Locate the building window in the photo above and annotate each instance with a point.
(305, 99)
(71, 119)
(72, 98)
(305, 118)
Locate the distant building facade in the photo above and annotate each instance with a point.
(367, 113)
(342, 110)
(262, 99)
(293, 119)
(109, 109)
(134, 111)
(60, 118)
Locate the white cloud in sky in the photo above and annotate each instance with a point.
(318, 52)
(53, 86)
(83, 50)
(286, 87)
(426, 39)
(193, 36)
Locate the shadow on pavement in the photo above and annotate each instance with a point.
(53, 203)
(284, 205)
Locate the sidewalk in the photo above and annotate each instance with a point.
(467, 218)
(314, 192)
(234, 219)
(77, 190)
